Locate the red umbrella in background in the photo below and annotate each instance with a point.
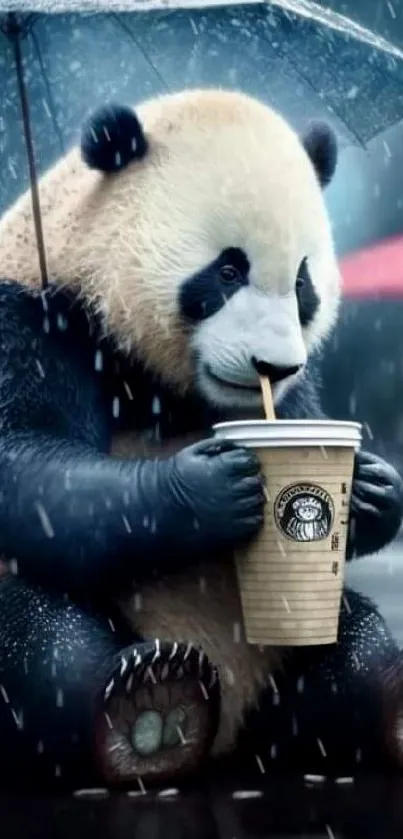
(375, 271)
(362, 366)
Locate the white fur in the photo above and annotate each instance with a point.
(251, 324)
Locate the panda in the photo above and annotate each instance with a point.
(189, 250)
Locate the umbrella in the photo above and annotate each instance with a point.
(376, 271)
(362, 367)
(306, 61)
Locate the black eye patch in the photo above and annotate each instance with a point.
(204, 294)
(308, 300)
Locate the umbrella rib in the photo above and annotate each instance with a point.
(131, 35)
(46, 83)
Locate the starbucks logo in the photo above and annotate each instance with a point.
(304, 512)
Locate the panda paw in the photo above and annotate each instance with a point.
(159, 714)
(376, 505)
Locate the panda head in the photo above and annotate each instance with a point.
(208, 248)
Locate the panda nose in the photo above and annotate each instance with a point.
(273, 372)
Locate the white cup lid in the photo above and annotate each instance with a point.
(271, 433)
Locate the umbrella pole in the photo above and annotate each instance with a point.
(14, 33)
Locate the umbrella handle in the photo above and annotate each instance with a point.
(13, 31)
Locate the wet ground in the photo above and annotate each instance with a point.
(237, 807)
(362, 809)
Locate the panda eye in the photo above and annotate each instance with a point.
(301, 275)
(230, 274)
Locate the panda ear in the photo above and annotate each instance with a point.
(320, 143)
(111, 138)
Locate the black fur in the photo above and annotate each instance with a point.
(74, 519)
(207, 292)
(325, 713)
(308, 300)
(112, 137)
(320, 143)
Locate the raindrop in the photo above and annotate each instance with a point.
(260, 764)
(40, 368)
(321, 747)
(141, 785)
(62, 323)
(168, 793)
(13, 565)
(44, 300)
(40, 748)
(126, 524)
(241, 794)
(46, 108)
(391, 9)
(18, 719)
(99, 361)
(286, 604)
(194, 27)
(301, 684)
(368, 430)
(46, 325)
(202, 585)
(156, 406)
(4, 694)
(44, 519)
(137, 602)
(356, 661)
(116, 407)
(237, 633)
(128, 391)
(266, 494)
(353, 92)
(59, 699)
(273, 751)
(346, 604)
(352, 404)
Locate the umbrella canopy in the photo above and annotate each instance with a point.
(304, 61)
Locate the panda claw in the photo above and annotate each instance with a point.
(188, 651)
(173, 651)
(157, 651)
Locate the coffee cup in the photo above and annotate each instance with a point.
(291, 575)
